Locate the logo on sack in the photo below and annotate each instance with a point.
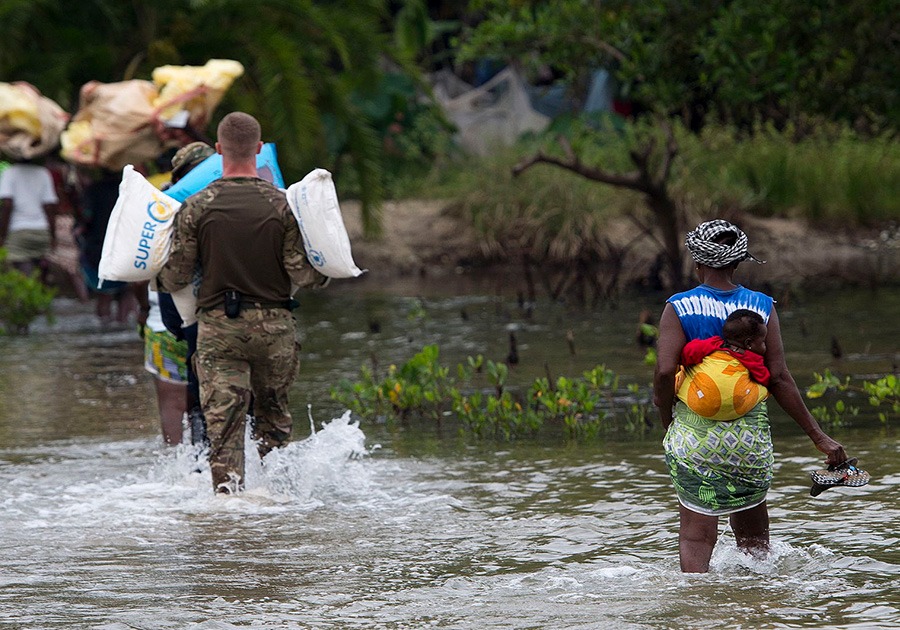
(316, 257)
(159, 210)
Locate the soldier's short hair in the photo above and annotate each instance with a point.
(239, 135)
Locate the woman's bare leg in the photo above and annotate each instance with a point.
(696, 539)
(172, 399)
(751, 530)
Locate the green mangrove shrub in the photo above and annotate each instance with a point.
(22, 299)
(480, 399)
(883, 394)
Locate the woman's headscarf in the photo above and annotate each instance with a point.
(701, 243)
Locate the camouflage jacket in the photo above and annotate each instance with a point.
(241, 233)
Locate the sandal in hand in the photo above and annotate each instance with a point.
(846, 474)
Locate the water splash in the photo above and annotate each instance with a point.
(325, 465)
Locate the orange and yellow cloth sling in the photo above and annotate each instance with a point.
(719, 387)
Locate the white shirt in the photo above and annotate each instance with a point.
(154, 317)
(30, 186)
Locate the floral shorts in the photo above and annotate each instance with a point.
(164, 356)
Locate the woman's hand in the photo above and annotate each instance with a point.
(834, 451)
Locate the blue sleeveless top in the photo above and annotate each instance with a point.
(702, 310)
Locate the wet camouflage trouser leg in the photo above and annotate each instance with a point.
(256, 352)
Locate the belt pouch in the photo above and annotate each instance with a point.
(232, 304)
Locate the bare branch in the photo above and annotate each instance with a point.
(609, 49)
(632, 181)
(642, 157)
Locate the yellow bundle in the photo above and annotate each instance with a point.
(30, 123)
(196, 89)
(129, 122)
(719, 388)
(18, 111)
(114, 125)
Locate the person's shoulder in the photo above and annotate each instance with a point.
(267, 187)
(684, 294)
(759, 294)
(205, 194)
(29, 167)
(272, 193)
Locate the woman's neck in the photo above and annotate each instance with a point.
(717, 278)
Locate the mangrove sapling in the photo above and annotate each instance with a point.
(882, 393)
(423, 389)
(22, 298)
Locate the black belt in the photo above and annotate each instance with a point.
(260, 305)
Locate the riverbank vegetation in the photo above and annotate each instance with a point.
(22, 299)
(561, 227)
(753, 84)
(827, 174)
(479, 398)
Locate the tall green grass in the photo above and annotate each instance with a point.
(832, 176)
(546, 211)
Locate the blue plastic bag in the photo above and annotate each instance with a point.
(210, 170)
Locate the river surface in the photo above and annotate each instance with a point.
(366, 525)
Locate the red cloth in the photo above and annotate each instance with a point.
(695, 351)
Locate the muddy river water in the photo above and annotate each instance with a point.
(360, 524)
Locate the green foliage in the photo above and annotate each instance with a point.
(412, 132)
(739, 60)
(826, 173)
(422, 388)
(487, 416)
(883, 394)
(550, 214)
(309, 66)
(22, 298)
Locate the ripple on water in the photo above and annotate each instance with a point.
(332, 532)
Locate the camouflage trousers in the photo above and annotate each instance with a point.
(257, 353)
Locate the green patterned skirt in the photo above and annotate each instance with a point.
(719, 467)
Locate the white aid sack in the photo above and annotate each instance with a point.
(186, 300)
(139, 232)
(314, 202)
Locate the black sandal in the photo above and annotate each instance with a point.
(846, 474)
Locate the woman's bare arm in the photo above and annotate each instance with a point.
(668, 350)
(783, 387)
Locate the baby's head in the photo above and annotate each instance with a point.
(745, 329)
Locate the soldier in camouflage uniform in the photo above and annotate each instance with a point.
(242, 233)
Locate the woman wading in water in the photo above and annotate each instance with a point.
(721, 467)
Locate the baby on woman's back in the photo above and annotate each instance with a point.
(721, 376)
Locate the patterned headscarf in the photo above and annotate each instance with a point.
(705, 251)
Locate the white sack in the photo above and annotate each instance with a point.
(314, 202)
(186, 301)
(139, 232)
